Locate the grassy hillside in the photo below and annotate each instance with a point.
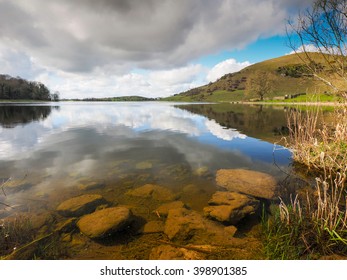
(290, 76)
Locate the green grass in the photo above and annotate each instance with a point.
(225, 96)
(280, 241)
(216, 96)
(299, 236)
(309, 98)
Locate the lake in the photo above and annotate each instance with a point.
(52, 152)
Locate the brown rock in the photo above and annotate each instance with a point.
(153, 227)
(37, 221)
(105, 222)
(230, 207)
(163, 209)
(201, 171)
(66, 226)
(144, 165)
(80, 205)
(91, 186)
(249, 182)
(167, 252)
(191, 189)
(153, 191)
(183, 225)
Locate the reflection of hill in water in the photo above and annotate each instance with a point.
(262, 122)
(11, 116)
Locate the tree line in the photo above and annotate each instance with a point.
(18, 88)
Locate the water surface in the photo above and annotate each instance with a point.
(60, 147)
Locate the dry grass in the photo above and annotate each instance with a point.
(317, 144)
(315, 224)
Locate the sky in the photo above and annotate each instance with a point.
(152, 48)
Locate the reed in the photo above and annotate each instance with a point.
(319, 145)
(316, 224)
(14, 232)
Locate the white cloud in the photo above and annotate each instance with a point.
(75, 46)
(17, 142)
(220, 132)
(177, 76)
(225, 67)
(313, 48)
(150, 83)
(305, 48)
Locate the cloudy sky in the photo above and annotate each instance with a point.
(103, 48)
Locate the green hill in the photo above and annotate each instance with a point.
(289, 74)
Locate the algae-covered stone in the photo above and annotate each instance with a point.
(153, 191)
(80, 205)
(230, 207)
(254, 183)
(105, 222)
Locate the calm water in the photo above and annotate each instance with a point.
(60, 147)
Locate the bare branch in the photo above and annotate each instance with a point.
(323, 26)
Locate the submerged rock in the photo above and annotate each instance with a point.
(230, 207)
(201, 171)
(163, 210)
(153, 227)
(66, 226)
(80, 205)
(176, 172)
(249, 182)
(153, 191)
(183, 225)
(105, 222)
(91, 186)
(40, 220)
(168, 252)
(144, 165)
(191, 189)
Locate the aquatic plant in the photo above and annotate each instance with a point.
(14, 232)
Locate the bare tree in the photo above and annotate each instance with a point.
(323, 29)
(259, 83)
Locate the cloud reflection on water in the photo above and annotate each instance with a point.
(85, 137)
